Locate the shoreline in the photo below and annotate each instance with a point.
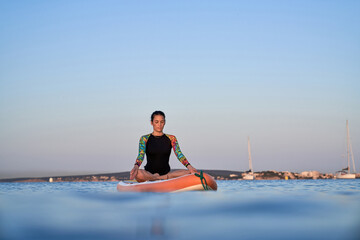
(217, 174)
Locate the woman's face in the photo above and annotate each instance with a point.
(158, 123)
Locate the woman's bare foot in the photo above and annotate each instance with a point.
(155, 177)
(144, 176)
(164, 177)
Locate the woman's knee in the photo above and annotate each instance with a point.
(140, 176)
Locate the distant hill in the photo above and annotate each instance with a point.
(217, 174)
(104, 177)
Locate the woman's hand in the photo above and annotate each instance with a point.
(191, 169)
(134, 172)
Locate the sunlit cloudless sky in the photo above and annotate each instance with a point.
(80, 79)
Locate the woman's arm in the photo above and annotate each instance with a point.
(180, 156)
(191, 169)
(142, 149)
(140, 157)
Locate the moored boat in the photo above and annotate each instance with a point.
(249, 175)
(345, 173)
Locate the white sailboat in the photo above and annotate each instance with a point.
(249, 174)
(346, 173)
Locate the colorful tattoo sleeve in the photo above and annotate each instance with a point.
(142, 149)
(177, 151)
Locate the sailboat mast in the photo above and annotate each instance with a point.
(249, 150)
(348, 140)
(352, 157)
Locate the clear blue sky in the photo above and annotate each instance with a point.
(79, 80)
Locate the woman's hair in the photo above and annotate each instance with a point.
(157, 113)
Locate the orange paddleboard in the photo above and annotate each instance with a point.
(189, 182)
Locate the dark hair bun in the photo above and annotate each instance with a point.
(157, 113)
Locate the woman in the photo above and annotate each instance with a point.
(157, 147)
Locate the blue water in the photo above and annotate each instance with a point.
(294, 209)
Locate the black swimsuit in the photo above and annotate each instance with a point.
(158, 151)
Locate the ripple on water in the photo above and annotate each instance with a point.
(300, 209)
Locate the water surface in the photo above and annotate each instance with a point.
(294, 209)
